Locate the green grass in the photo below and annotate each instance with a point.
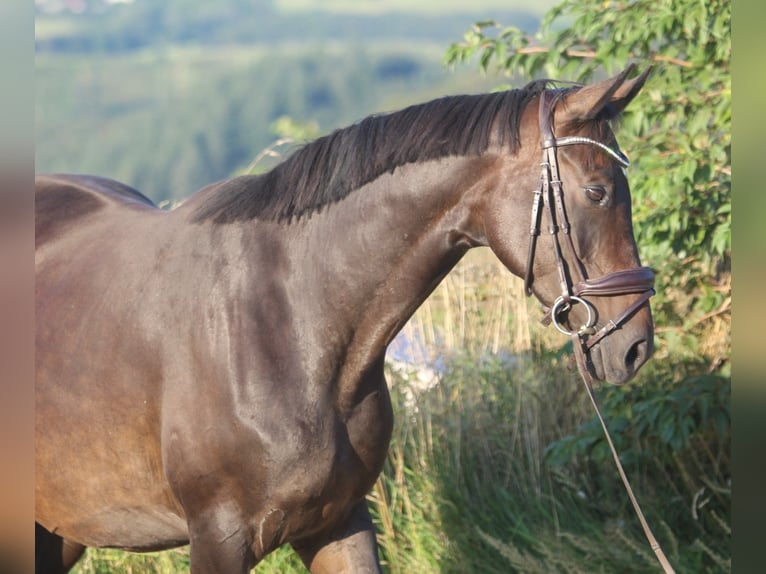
(110, 561)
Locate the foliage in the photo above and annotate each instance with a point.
(673, 425)
(678, 131)
(673, 430)
(495, 467)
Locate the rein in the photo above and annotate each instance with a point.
(575, 286)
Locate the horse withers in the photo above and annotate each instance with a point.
(213, 374)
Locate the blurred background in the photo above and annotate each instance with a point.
(170, 96)
(497, 463)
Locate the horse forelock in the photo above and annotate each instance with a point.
(326, 170)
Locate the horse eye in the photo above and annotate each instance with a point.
(596, 194)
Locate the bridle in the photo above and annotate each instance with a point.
(575, 286)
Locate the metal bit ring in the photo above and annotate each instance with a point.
(563, 304)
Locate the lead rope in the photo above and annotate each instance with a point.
(582, 364)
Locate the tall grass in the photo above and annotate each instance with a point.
(501, 466)
(512, 461)
(516, 477)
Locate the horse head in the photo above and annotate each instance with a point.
(582, 261)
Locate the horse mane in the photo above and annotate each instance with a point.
(326, 170)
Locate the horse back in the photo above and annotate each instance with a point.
(64, 200)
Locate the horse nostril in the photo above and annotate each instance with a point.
(637, 354)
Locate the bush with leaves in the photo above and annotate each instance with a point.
(672, 426)
(674, 435)
(678, 132)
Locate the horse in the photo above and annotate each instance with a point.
(213, 374)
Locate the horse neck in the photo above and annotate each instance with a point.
(373, 258)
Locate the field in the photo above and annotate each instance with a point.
(168, 100)
(425, 7)
(171, 121)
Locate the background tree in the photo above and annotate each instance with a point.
(678, 133)
(674, 422)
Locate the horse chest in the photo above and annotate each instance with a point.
(369, 431)
(345, 472)
(346, 461)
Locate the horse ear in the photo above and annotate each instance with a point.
(627, 91)
(604, 99)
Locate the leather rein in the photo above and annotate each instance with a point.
(575, 286)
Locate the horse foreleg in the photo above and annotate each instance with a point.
(350, 548)
(53, 554)
(218, 542)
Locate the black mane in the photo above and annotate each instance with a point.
(327, 170)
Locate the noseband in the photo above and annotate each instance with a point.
(575, 286)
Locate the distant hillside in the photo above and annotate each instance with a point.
(170, 96)
(120, 25)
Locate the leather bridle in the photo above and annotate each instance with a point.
(575, 286)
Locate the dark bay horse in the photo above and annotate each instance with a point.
(213, 374)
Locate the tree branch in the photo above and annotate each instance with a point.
(723, 309)
(592, 54)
